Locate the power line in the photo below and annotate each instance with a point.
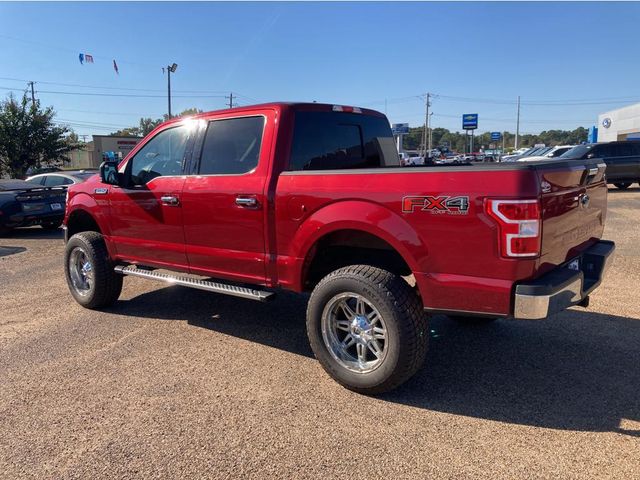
(92, 94)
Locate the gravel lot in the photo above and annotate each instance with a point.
(179, 383)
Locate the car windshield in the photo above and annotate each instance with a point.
(544, 151)
(576, 152)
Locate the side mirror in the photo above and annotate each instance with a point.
(109, 172)
(591, 155)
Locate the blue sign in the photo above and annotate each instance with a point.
(495, 136)
(593, 134)
(469, 121)
(400, 128)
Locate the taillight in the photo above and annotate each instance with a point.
(520, 226)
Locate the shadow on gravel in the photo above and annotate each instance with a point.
(577, 371)
(6, 251)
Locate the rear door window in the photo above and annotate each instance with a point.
(340, 140)
(231, 146)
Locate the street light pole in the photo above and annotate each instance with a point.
(170, 69)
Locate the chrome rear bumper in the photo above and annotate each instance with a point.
(563, 287)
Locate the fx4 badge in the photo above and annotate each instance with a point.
(443, 204)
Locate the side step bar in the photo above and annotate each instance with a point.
(233, 290)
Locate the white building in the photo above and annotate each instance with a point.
(620, 124)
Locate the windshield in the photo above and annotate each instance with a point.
(544, 151)
(576, 152)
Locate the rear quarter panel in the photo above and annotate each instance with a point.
(454, 257)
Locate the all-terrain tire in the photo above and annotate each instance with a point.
(105, 285)
(407, 330)
(622, 185)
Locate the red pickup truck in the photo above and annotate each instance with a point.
(311, 198)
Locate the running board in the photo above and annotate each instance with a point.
(233, 290)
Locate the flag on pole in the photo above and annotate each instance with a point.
(81, 58)
(115, 67)
(88, 58)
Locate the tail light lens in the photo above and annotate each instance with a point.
(520, 226)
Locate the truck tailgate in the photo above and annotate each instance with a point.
(574, 204)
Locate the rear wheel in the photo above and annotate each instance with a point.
(367, 328)
(623, 185)
(89, 271)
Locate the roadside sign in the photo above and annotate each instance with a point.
(495, 136)
(400, 128)
(469, 121)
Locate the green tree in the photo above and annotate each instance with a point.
(30, 138)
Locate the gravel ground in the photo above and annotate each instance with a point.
(179, 383)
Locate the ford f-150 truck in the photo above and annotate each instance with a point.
(311, 198)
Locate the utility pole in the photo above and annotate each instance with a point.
(518, 124)
(426, 122)
(430, 130)
(170, 69)
(230, 97)
(33, 95)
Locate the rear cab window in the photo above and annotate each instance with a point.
(341, 140)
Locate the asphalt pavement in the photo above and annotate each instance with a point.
(180, 383)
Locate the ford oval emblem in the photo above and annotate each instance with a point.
(606, 123)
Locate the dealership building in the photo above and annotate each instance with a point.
(620, 124)
(90, 155)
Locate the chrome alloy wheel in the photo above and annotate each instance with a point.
(80, 271)
(354, 332)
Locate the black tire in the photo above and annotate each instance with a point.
(5, 230)
(407, 332)
(622, 185)
(55, 225)
(472, 321)
(106, 285)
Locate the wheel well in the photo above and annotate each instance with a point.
(350, 247)
(81, 221)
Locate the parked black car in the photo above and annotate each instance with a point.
(24, 203)
(622, 159)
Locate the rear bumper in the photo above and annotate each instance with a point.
(563, 287)
(25, 219)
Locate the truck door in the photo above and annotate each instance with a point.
(146, 216)
(224, 201)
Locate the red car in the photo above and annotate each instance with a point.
(311, 198)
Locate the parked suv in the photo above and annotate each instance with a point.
(622, 159)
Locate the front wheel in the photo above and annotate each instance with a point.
(89, 271)
(622, 185)
(367, 328)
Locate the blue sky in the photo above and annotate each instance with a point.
(568, 61)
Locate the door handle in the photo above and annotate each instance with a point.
(246, 201)
(170, 200)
